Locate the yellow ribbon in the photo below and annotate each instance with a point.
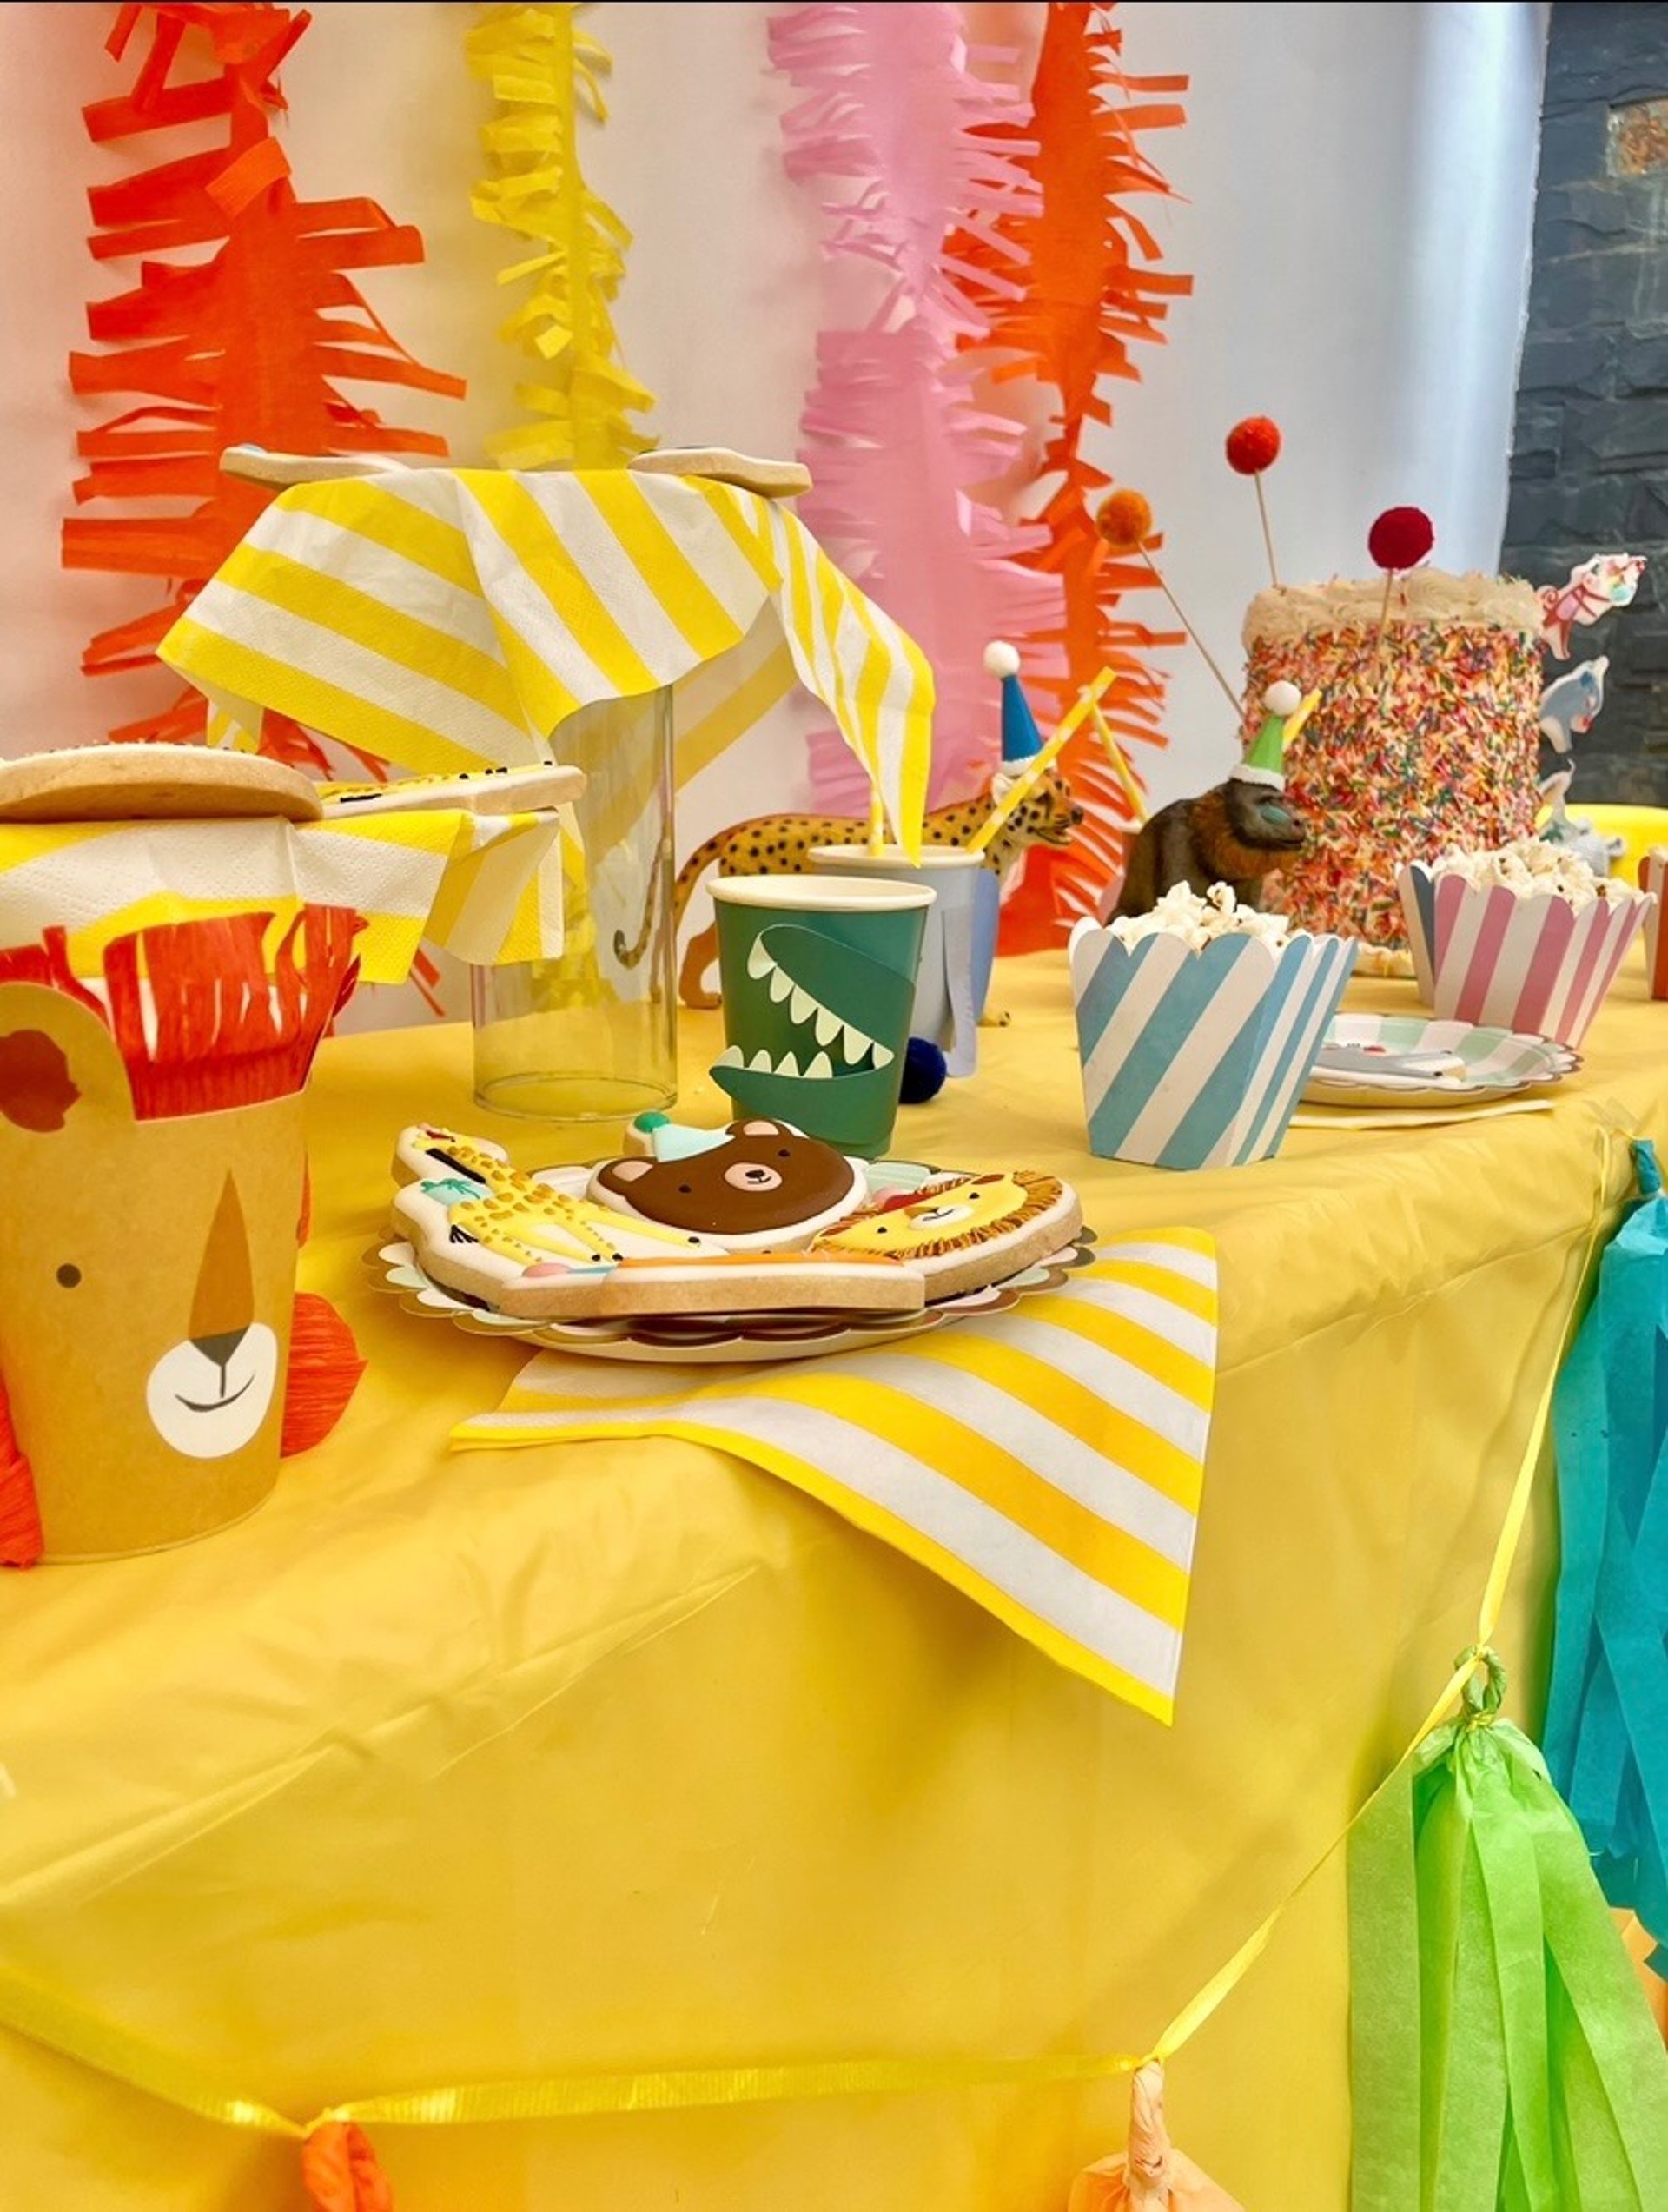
(111, 2051)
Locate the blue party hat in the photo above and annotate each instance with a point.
(1021, 738)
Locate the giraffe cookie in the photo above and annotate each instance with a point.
(481, 1228)
(757, 1186)
(963, 1232)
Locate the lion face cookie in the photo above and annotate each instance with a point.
(964, 1232)
(757, 1186)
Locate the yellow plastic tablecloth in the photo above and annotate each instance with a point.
(451, 1767)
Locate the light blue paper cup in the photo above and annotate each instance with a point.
(1198, 1059)
(987, 920)
(946, 1006)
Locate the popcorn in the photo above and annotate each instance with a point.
(1530, 868)
(1198, 921)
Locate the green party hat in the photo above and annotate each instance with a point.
(1265, 761)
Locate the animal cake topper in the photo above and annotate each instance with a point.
(1606, 581)
(1235, 834)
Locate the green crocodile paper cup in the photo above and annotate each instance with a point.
(818, 978)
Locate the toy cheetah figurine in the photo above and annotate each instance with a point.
(780, 844)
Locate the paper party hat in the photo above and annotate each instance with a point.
(1021, 738)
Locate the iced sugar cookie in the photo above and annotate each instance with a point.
(757, 1186)
(481, 1228)
(965, 1231)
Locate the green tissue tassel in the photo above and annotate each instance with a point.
(1503, 2055)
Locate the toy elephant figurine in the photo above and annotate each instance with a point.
(1236, 834)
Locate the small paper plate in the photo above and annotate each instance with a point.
(717, 1340)
(1497, 1062)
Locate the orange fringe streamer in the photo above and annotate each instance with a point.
(1087, 291)
(249, 346)
(341, 2171)
(324, 1370)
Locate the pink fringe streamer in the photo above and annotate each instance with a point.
(892, 431)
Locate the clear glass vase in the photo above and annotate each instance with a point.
(592, 1035)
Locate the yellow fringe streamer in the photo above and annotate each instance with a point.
(544, 73)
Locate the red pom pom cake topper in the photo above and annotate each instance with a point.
(1400, 539)
(1252, 445)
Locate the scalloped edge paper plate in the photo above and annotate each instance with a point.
(1498, 1063)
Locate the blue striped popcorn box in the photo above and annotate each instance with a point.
(1197, 1059)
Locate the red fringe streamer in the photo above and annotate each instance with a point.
(1088, 291)
(324, 1370)
(249, 346)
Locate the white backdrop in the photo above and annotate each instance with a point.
(1356, 180)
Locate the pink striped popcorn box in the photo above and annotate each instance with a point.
(1653, 878)
(1538, 965)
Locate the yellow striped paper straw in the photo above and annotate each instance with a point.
(1120, 768)
(1039, 764)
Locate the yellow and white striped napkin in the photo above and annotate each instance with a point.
(470, 883)
(451, 619)
(1047, 1460)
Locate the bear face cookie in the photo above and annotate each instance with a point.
(964, 1232)
(757, 1186)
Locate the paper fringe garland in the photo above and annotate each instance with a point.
(897, 136)
(544, 73)
(1504, 2058)
(1607, 1712)
(1088, 291)
(249, 345)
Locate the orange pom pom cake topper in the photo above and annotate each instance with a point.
(1124, 520)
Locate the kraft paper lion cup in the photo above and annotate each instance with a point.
(1197, 1058)
(818, 977)
(1538, 963)
(151, 1152)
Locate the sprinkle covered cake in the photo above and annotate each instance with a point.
(1427, 746)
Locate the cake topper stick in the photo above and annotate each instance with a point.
(1398, 540)
(877, 823)
(1253, 446)
(1125, 521)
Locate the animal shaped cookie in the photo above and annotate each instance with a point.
(756, 1186)
(483, 1228)
(965, 1232)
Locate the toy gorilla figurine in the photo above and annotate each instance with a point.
(1236, 834)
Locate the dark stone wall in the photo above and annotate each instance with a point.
(1589, 459)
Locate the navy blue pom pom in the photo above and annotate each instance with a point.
(923, 1072)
